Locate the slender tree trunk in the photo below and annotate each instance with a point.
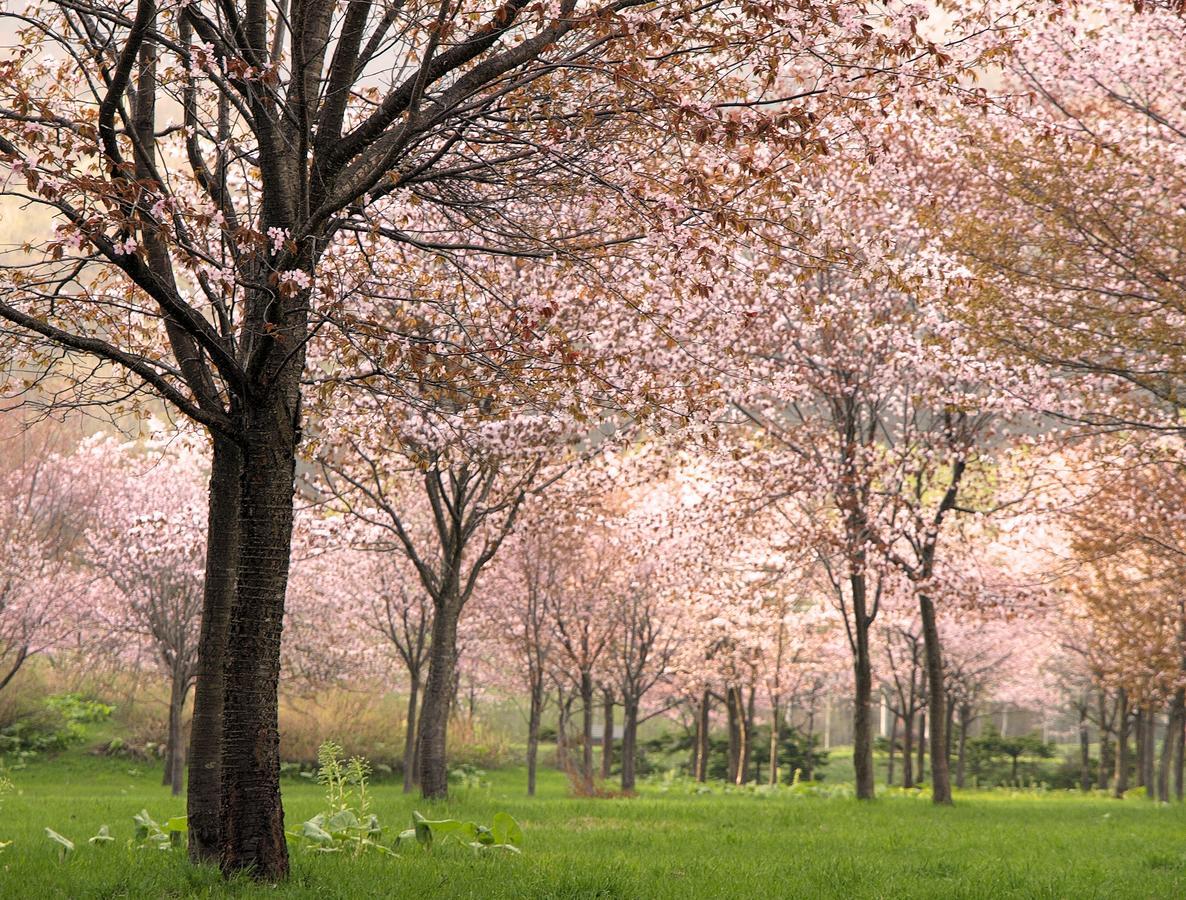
(1168, 743)
(936, 696)
(775, 730)
(862, 726)
(1179, 756)
(921, 775)
(629, 742)
(533, 717)
(893, 740)
(1120, 779)
(702, 723)
(1139, 741)
(1148, 755)
(561, 732)
(607, 739)
(908, 751)
(809, 760)
(1106, 763)
(1084, 750)
(432, 739)
(170, 737)
(252, 818)
(410, 733)
(731, 706)
(175, 750)
(745, 729)
(965, 721)
(204, 798)
(587, 704)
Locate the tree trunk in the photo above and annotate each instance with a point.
(702, 722)
(1179, 756)
(744, 730)
(1084, 750)
(533, 717)
(410, 733)
(1105, 761)
(175, 746)
(862, 731)
(921, 775)
(587, 702)
(908, 751)
(1173, 727)
(936, 698)
(1148, 756)
(432, 740)
(170, 729)
(893, 740)
(561, 732)
(607, 739)
(1139, 741)
(731, 707)
(629, 742)
(204, 799)
(252, 818)
(965, 722)
(1120, 779)
(775, 728)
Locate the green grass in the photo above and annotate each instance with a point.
(658, 845)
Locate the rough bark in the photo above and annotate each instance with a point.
(733, 715)
(431, 759)
(921, 775)
(252, 818)
(1173, 728)
(410, 735)
(204, 798)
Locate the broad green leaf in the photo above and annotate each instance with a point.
(313, 831)
(177, 825)
(506, 830)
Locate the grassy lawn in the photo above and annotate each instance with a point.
(661, 844)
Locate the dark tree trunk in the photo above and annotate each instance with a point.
(561, 733)
(175, 745)
(893, 740)
(587, 710)
(936, 698)
(965, 722)
(432, 741)
(921, 775)
(702, 718)
(1148, 755)
(1084, 750)
(629, 742)
(1139, 746)
(1120, 778)
(533, 717)
(607, 739)
(810, 759)
(775, 733)
(1173, 727)
(252, 818)
(908, 751)
(410, 734)
(204, 799)
(1179, 756)
(862, 725)
(746, 749)
(734, 716)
